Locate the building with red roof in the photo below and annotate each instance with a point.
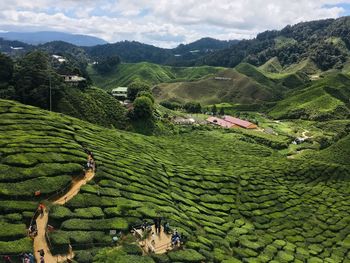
(240, 123)
(231, 122)
(220, 122)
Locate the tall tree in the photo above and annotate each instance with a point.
(143, 108)
(6, 68)
(33, 76)
(136, 87)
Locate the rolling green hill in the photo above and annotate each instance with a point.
(243, 84)
(232, 87)
(325, 99)
(125, 74)
(233, 197)
(93, 105)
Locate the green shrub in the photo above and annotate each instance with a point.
(132, 249)
(90, 212)
(17, 206)
(46, 185)
(17, 246)
(11, 231)
(83, 256)
(103, 224)
(60, 212)
(188, 255)
(118, 255)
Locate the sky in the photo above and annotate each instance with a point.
(164, 23)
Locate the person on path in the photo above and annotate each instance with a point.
(158, 223)
(41, 209)
(41, 252)
(153, 239)
(31, 258)
(166, 227)
(42, 260)
(7, 259)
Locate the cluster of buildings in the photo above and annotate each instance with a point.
(231, 122)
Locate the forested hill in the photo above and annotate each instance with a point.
(184, 54)
(128, 51)
(325, 42)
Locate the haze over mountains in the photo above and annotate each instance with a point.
(42, 37)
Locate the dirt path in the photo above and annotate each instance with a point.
(304, 136)
(74, 190)
(162, 242)
(40, 241)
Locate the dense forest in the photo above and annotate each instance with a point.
(36, 79)
(326, 42)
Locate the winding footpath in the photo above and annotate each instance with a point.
(40, 241)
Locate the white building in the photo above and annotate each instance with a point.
(73, 79)
(120, 92)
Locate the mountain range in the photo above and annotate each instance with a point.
(35, 38)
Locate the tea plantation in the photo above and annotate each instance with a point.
(234, 197)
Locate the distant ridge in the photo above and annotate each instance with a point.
(42, 37)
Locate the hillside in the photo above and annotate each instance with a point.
(244, 84)
(126, 73)
(324, 99)
(183, 55)
(241, 201)
(229, 86)
(93, 105)
(325, 42)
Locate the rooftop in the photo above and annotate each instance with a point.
(237, 121)
(220, 122)
(120, 89)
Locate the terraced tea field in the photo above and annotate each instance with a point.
(234, 198)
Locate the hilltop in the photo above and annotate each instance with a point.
(126, 73)
(243, 201)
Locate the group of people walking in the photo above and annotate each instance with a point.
(146, 228)
(33, 231)
(24, 258)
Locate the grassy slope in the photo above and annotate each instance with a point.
(126, 73)
(240, 89)
(249, 84)
(93, 105)
(325, 99)
(227, 192)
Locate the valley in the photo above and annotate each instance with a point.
(240, 148)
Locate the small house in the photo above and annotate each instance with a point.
(120, 92)
(73, 79)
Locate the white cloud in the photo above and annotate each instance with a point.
(163, 22)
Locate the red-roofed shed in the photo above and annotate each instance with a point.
(220, 122)
(240, 123)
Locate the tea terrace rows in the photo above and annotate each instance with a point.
(230, 196)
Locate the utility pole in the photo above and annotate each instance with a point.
(50, 91)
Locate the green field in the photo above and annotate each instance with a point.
(324, 99)
(236, 87)
(231, 193)
(126, 73)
